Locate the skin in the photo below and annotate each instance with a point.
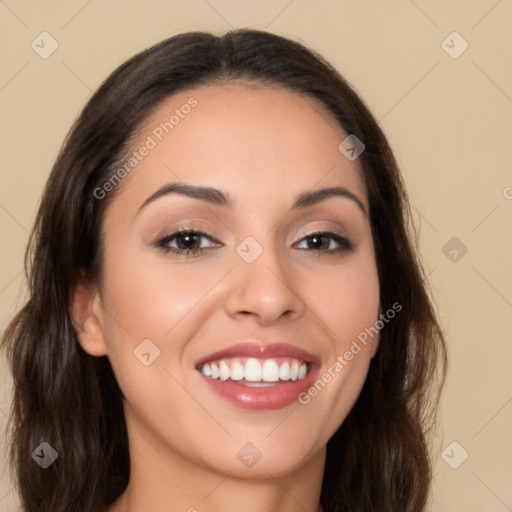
(263, 146)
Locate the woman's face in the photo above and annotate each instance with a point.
(277, 275)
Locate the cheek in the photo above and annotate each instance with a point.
(149, 299)
(349, 307)
(153, 300)
(347, 300)
(355, 306)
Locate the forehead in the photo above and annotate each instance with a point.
(247, 138)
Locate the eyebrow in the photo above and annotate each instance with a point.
(219, 198)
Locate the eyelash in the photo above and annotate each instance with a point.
(345, 245)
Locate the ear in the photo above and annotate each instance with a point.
(86, 313)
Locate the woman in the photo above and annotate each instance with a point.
(226, 307)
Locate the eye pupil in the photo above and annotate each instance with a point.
(187, 240)
(319, 242)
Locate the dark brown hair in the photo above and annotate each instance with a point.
(378, 460)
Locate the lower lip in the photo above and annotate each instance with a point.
(264, 398)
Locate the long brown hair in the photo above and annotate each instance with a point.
(378, 460)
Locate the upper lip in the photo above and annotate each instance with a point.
(257, 349)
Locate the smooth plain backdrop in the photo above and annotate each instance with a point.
(436, 76)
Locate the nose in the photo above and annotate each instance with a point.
(263, 290)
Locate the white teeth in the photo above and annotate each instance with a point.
(294, 370)
(252, 370)
(206, 370)
(237, 371)
(215, 371)
(284, 371)
(224, 371)
(270, 371)
(256, 371)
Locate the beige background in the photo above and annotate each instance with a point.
(448, 119)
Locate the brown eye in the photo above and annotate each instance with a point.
(329, 243)
(188, 240)
(185, 242)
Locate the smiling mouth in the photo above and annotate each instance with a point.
(255, 376)
(254, 372)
